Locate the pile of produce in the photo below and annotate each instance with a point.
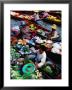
(14, 54)
(32, 27)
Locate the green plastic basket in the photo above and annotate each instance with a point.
(28, 68)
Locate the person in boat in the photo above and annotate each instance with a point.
(40, 59)
(36, 16)
(53, 34)
(38, 56)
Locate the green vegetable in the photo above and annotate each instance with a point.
(48, 69)
(14, 54)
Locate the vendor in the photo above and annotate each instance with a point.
(41, 57)
(45, 14)
(36, 16)
(38, 56)
(53, 34)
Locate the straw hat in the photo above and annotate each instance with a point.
(54, 26)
